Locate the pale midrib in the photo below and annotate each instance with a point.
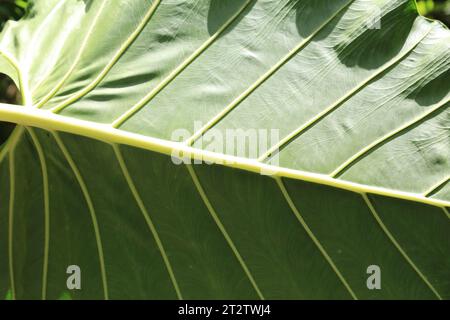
(305, 226)
(113, 61)
(91, 208)
(147, 218)
(244, 95)
(359, 155)
(77, 59)
(146, 99)
(221, 227)
(44, 171)
(397, 245)
(50, 121)
(12, 190)
(391, 192)
(335, 106)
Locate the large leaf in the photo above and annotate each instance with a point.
(358, 174)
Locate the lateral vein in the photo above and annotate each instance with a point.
(147, 218)
(316, 119)
(50, 121)
(221, 227)
(44, 170)
(23, 79)
(12, 190)
(397, 245)
(77, 59)
(91, 208)
(11, 142)
(147, 98)
(114, 60)
(446, 212)
(50, 14)
(386, 137)
(305, 226)
(436, 187)
(217, 118)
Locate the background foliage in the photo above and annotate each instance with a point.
(436, 9)
(10, 10)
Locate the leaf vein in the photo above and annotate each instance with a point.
(11, 142)
(435, 188)
(77, 59)
(397, 245)
(221, 227)
(316, 119)
(244, 95)
(147, 218)
(355, 158)
(47, 120)
(91, 208)
(12, 189)
(44, 171)
(316, 241)
(147, 98)
(114, 60)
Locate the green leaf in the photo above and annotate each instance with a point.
(353, 99)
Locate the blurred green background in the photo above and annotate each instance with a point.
(15, 9)
(10, 9)
(436, 9)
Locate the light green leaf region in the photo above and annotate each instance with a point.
(357, 92)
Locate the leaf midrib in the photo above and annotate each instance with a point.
(252, 166)
(211, 210)
(246, 165)
(50, 121)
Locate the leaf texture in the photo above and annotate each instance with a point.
(357, 90)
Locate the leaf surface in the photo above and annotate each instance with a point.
(353, 97)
